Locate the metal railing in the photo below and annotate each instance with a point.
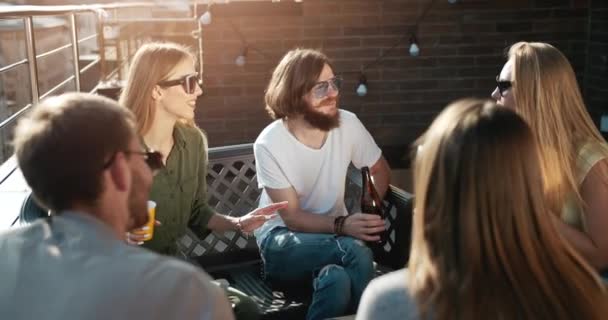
(107, 16)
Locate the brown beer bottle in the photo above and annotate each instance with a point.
(370, 200)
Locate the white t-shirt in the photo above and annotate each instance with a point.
(317, 175)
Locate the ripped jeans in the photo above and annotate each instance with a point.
(340, 267)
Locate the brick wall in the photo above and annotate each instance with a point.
(461, 51)
(596, 76)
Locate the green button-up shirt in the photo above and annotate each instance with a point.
(180, 191)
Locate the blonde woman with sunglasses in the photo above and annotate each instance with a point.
(538, 82)
(481, 244)
(162, 90)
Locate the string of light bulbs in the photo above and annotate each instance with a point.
(414, 49)
(362, 85)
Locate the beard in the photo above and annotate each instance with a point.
(321, 120)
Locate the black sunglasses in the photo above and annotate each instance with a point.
(154, 159)
(188, 82)
(503, 86)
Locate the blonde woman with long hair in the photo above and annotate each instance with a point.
(539, 83)
(482, 247)
(161, 90)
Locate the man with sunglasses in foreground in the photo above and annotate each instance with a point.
(302, 158)
(80, 155)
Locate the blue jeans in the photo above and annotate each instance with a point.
(340, 267)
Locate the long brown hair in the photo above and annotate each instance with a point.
(547, 95)
(152, 63)
(483, 243)
(293, 77)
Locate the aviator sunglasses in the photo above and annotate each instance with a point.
(503, 85)
(188, 82)
(321, 88)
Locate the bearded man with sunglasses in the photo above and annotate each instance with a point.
(303, 158)
(81, 156)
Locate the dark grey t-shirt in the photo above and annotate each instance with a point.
(387, 297)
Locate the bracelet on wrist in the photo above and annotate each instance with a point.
(337, 222)
(341, 229)
(339, 225)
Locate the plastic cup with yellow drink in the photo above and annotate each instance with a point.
(147, 231)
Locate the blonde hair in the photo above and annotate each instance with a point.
(483, 243)
(152, 63)
(547, 96)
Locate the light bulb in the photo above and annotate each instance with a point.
(205, 19)
(362, 87)
(604, 123)
(362, 90)
(240, 60)
(414, 50)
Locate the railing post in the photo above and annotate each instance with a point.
(75, 51)
(101, 44)
(200, 49)
(118, 44)
(31, 58)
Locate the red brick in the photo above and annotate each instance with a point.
(578, 25)
(438, 28)
(351, 20)
(381, 42)
(211, 100)
(488, 72)
(418, 62)
(364, 7)
(363, 31)
(322, 32)
(222, 91)
(479, 50)
(317, 9)
(456, 83)
(396, 30)
(341, 43)
(211, 126)
(456, 61)
(490, 60)
(429, 50)
(401, 6)
(343, 66)
(289, 44)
